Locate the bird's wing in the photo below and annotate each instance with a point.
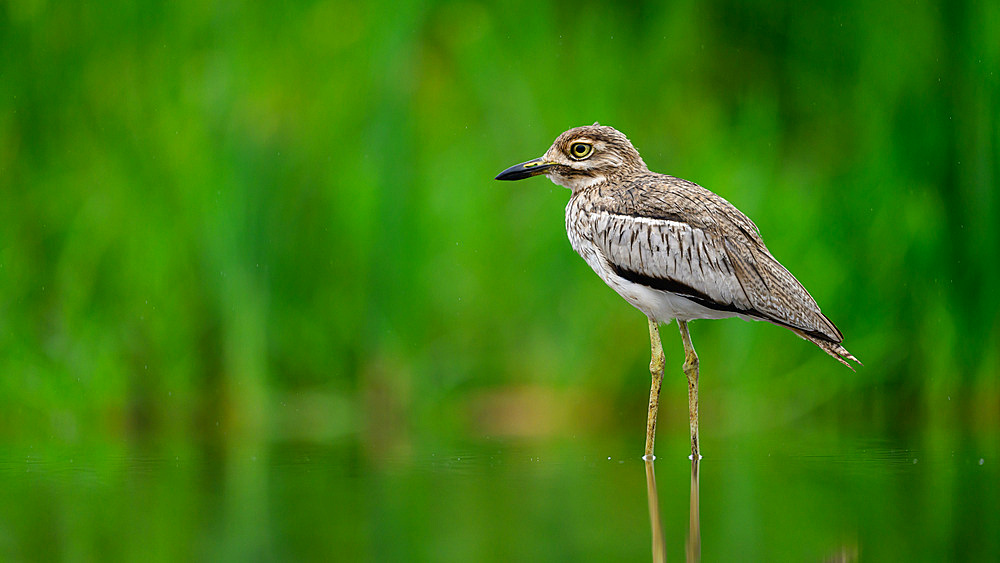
(674, 235)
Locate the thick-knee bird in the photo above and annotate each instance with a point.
(672, 249)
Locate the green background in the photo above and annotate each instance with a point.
(230, 227)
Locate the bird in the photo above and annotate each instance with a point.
(674, 250)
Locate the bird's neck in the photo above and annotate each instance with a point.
(577, 184)
(581, 183)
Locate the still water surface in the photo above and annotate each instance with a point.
(788, 496)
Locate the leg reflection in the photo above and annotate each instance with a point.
(656, 526)
(693, 544)
(694, 524)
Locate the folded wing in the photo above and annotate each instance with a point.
(676, 236)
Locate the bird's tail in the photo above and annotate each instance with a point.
(832, 348)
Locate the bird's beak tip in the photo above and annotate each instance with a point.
(525, 170)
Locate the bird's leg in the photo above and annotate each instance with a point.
(656, 371)
(691, 371)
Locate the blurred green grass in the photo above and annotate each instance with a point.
(226, 218)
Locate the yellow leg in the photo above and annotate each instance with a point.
(656, 371)
(691, 371)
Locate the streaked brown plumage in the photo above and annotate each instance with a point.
(671, 248)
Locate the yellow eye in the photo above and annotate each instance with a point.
(580, 151)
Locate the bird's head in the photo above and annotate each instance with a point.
(582, 157)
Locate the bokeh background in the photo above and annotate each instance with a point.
(241, 227)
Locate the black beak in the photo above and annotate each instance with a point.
(525, 170)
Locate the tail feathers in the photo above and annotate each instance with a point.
(833, 348)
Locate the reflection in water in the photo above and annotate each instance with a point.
(659, 546)
(246, 535)
(694, 523)
(693, 544)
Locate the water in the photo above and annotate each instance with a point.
(790, 495)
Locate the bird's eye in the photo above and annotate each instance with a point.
(580, 151)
